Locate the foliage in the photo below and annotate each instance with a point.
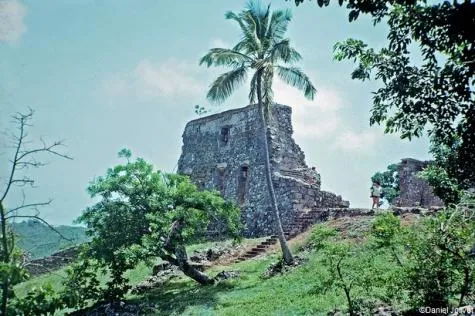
(351, 268)
(435, 94)
(266, 52)
(82, 284)
(39, 301)
(200, 110)
(443, 185)
(143, 214)
(437, 260)
(263, 49)
(389, 181)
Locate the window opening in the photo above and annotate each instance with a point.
(242, 185)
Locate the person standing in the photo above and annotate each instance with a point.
(376, 191)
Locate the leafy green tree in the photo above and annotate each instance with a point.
(435, 94)
(351, 268)
(263, 50)
(24, 157)
(144, 214)
(436, 255)
(445, 187)
(389, 181)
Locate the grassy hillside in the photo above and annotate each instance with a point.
(292, 293)
(306, 289)
(40, 241)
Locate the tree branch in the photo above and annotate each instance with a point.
(22, 120)
(31, 205)
(43, 221)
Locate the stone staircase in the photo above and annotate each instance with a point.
(307, 219)
(259, 249)
(302, 223)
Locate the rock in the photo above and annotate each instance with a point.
(161, 267)
(279, 267)
(117, 308)
(224, 275)
(384, 311)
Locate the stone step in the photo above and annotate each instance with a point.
(261, 246)
(256, 249)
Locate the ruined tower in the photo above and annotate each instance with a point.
(414, 191)
(224, 152)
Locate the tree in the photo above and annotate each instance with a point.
(389, 181)
(351, 267)
(435, 95)
(144, 214)
(436, 254)
(24, 158)
(262, 49)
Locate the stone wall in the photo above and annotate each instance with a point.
(53, 262)
(413, 190)
(224, 152)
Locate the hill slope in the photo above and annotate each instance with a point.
(40, 241)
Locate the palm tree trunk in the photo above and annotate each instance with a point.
(287, 254)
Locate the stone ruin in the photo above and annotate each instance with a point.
(414, 191)
(52, 263)
(224, 152)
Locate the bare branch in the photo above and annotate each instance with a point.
(32, 163)
(49, 149)
(23, 182)
(21, 120)
(32, 205)
(22, 158)
(43, 221)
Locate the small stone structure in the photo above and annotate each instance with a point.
(224, 152)
(414, 191)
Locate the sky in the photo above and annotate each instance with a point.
(107, 74)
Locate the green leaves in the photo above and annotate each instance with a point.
(444, 186)
(296, 78)
(262, 46)
(226, 83)
(433, 96)
(389, 181)
(134, 218)
(224, 57)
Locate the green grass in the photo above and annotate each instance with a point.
(136, 275)
(292, 293)
(54, 278)
(289, 294)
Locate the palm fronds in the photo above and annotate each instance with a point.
(225, 84)
(298, 79)
(224, 57)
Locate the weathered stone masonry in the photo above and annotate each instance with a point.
(414, 191)
(225, 152)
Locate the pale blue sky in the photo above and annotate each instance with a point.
(107, 74)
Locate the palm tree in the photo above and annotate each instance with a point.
(262, 50)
